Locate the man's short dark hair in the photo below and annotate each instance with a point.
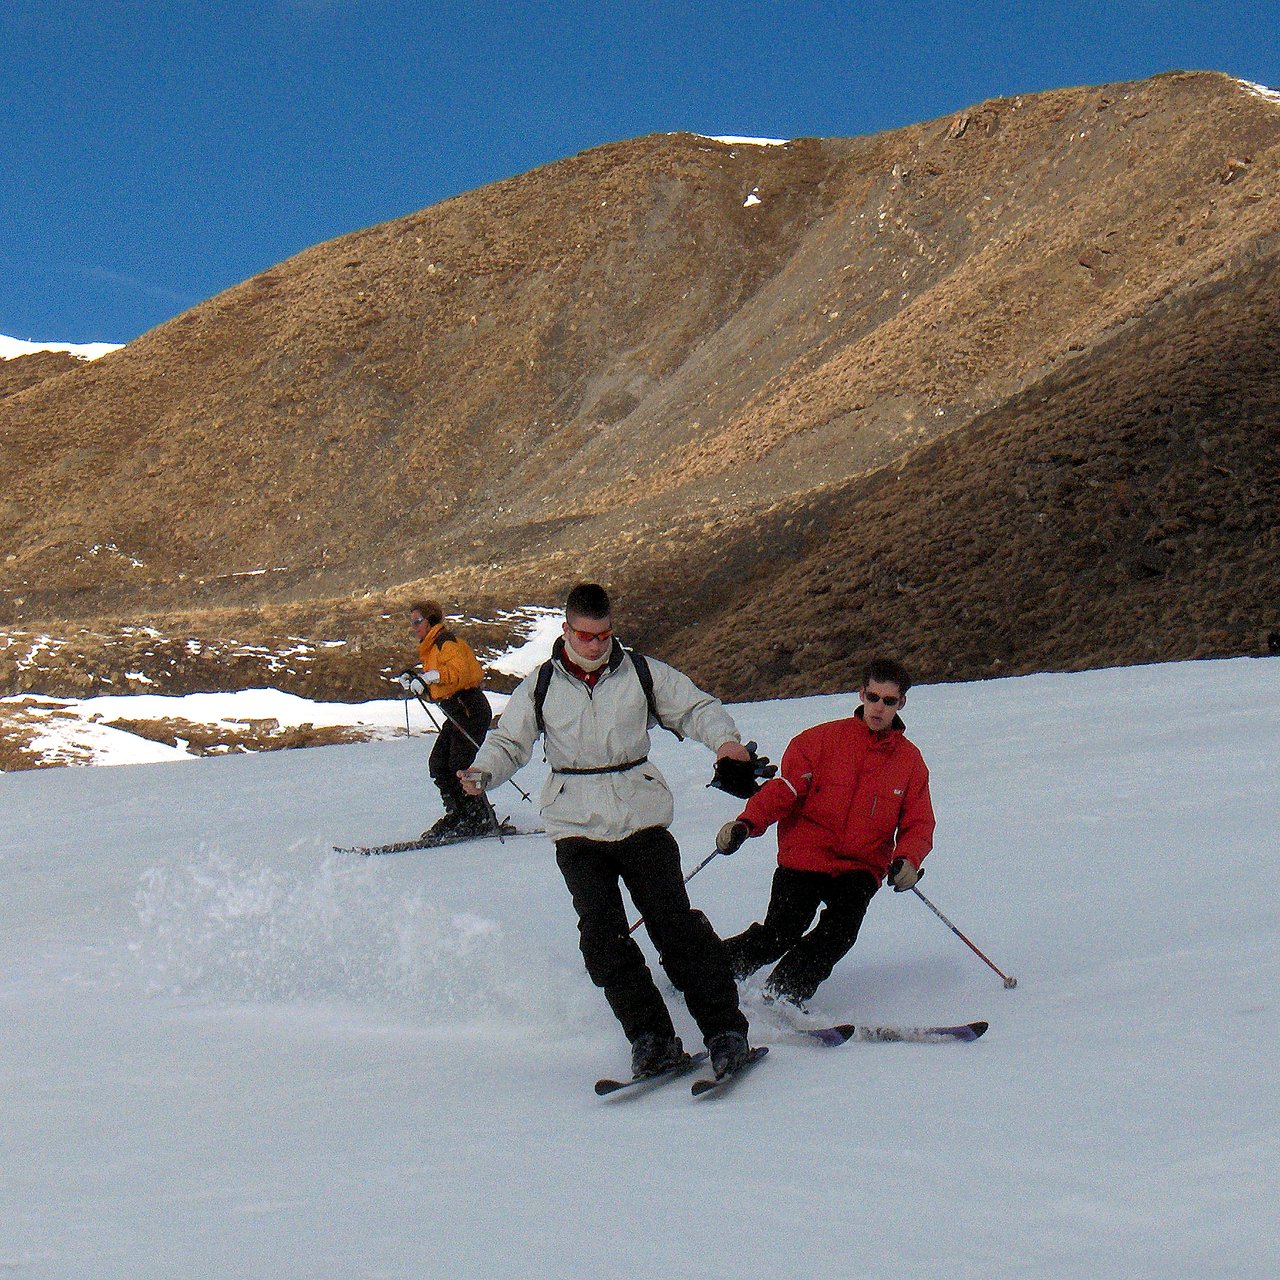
(588, 600)
(430, 609)
(887, 671)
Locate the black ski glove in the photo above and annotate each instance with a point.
(902, 875)
(742, 778)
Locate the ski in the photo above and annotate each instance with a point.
(505, 829)
(847, 1031)
(686, 1064)
(710, 1084)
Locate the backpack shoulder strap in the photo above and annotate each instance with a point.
(641, 664)
(638, 660)
(540, 695)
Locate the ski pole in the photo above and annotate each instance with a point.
(1008, 981)
(715, 853)
(453, 720)
(435, 724)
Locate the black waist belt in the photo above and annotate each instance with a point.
(607, 768)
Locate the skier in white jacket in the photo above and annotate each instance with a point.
(608, 810)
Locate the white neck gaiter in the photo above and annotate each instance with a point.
(588, 664)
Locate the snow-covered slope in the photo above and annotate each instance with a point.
(227, 1052)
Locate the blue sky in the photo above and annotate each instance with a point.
(155, 153)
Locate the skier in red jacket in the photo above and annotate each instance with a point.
(852, 806)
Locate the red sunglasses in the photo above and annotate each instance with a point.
(585, 637)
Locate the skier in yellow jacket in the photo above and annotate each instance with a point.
(452, 678)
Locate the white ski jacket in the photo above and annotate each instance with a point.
(596, 728)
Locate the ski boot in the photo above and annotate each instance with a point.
(653, 1052)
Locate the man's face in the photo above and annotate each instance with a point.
(881, 701)
(418, 624)
(587, 637)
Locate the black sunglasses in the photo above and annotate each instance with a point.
(891, 700)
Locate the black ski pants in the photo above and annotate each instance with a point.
(806, 958)
(453, 751)
(691, 953)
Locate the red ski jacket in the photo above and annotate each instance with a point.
(846, 799)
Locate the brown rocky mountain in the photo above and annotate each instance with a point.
(998, 393)
(25, 371)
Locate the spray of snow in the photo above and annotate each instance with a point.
(254, 931)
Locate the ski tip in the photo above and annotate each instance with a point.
(967, 1031)
(833, 1036)
(846, 1031)
(699, 1087)
(686, 1064)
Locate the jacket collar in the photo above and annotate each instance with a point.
(895, 726)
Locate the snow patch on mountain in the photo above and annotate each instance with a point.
(735, 141)
(1260, 90)
(11, 348)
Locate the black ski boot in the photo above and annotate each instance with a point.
(447, 823)
(728, 1052)
(474, 817)
(652, 1052)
